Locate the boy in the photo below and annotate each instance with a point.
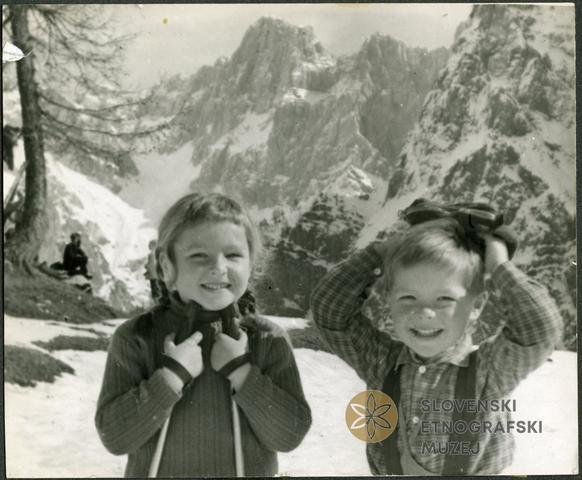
(435, 288)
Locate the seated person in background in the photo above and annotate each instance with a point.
(74, 258)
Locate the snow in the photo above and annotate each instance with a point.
(252, 132)
(346, 86)
(301, 94)
(551, 21)
(11, 106)
(554, 388)
(68, 406)
(120, 230)
(162, 179)
(288, 323)
(555, 169)
(9, 176)
(385, 217)
(123, 227)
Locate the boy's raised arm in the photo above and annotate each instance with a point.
(533, 323)
(336, 306)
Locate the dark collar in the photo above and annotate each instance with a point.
(186, 318)
(194, 311)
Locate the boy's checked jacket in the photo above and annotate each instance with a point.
(531, 331)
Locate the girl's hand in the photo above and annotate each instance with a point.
(496, 252)
(226, 348)
(188, 353)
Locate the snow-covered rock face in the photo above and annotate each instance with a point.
(499, 127)
(273, 123)
(338, 145)
(287, 127)
(114, 235)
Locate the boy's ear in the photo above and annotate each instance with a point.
(479, 303)
(168, 269)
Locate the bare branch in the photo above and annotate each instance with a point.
(94, 113)
(133, 134)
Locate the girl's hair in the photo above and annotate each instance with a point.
(442, 242)
(194, 209)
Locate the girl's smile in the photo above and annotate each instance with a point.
(212, 262)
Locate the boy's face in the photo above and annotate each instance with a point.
(212, 264)
(431, 307)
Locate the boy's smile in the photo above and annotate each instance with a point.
(431, 307)
(212, 262)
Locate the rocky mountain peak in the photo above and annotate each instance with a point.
(270, 33)
(510, 74)
(274, 56)
(499, 127)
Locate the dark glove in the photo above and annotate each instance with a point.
(475, 218)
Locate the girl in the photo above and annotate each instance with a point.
(190, 356)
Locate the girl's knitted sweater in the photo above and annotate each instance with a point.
(135, 400)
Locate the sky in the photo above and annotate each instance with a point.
(180, 38)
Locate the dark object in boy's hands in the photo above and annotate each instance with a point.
(475, 218)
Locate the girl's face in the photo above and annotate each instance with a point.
(212, 264)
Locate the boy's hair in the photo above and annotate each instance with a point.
(196, 208)
(442, 242)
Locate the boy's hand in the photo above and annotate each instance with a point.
(496, 252)
(188, 353)
(226, 348)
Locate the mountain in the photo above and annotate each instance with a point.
(276, 124)
(115, 235)
(498, 127)
(326, 150)
(281, 122)
(282, 118)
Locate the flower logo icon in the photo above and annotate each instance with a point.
(371, 416)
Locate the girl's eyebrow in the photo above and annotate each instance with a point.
(195, 244)
(192, 244)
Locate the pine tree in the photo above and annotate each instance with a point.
(72, 103)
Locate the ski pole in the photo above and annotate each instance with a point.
(238, 453)
(155, 465)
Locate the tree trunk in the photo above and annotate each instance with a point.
(22, 248)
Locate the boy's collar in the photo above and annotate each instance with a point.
(457, 355)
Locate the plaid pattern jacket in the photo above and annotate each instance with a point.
(531, 331)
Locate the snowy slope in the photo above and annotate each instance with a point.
(33, 415)
(115, 235)
(162, 179)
